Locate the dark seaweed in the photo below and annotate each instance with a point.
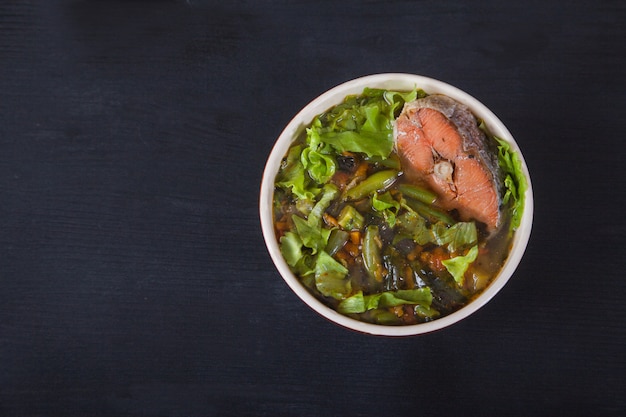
(446, 296)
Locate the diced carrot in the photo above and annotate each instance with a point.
(355, 237)
(398, 311)
(330, 220)
(352, 249)
(344, 257)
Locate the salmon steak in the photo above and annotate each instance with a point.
(441, 147)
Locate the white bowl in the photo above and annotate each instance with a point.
(336, 95)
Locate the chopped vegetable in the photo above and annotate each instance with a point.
(320, 167)
(371, 253)
(415, 227)
(514, 182)
(291, 248)
(330, 277)
(315, 216)
(359, 303)
(387, 206)
(336, 241)
(350, 218)
(459, 264)
(293, 177)
(417, 193)
(457, 236)
(429, 212)
(362, 123)
(378, 181)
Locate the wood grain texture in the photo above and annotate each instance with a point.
(134, 280)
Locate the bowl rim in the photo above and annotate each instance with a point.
(333, 96)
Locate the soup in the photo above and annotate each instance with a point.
(397, 207)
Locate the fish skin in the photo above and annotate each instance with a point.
(436, 132)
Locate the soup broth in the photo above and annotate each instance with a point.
(370, 237)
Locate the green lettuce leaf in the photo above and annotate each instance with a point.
(310, 231)
(293, 176)
(313, 134)
(320, 167)
(396, 100)
(426, 312)
(415, 226)
(353, 304)
(361, 123)
(458, 265)
(311, 236)
(291, 248)
(370, 143)
(514, 182)
(330, 277)
(387, 206)
(315, 158)
(421, 296)
(457, 237)
(359, 303)
(330, 191)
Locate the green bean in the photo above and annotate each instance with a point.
(429, 212)
(337, 239)
(392, 163)
(378, 181)
(417, 193)
(371, 253)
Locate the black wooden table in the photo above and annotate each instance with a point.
(134, 280)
